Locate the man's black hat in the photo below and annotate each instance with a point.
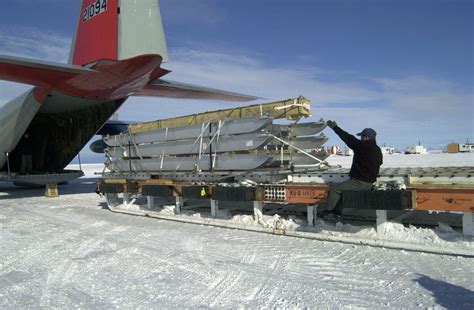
(368, 132)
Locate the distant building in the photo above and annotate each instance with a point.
(333, 150)
(468, 147)
(347, 152)
(387, 150)
(452, 148)
(416, 149)
(460, 147)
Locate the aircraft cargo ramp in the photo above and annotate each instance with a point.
(269, 167)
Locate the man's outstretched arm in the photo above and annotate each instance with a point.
(351, 141)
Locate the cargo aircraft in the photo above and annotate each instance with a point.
(117, 52)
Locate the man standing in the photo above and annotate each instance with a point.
(365, 164)
(26, 149)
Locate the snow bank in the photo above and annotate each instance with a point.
(398, 160)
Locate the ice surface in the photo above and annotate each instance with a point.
(71, 252)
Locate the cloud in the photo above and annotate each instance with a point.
(420, 97)
(244, 73)
(33, 43)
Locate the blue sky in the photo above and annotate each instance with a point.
(405, 68)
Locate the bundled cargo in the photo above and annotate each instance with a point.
(226, 145)
(238, 139)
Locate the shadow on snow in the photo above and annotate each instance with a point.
(77, 186)
(447, 295)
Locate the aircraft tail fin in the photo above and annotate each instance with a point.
(118, 29)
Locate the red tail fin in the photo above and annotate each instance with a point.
(97, 32)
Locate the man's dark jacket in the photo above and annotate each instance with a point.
(367, 157)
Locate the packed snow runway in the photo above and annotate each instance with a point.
(72, 252)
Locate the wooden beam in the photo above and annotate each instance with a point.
(445, 199)
(292, 109)
(306, 194)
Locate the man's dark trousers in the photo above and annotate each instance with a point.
(350, 185)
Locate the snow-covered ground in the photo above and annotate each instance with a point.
(435, 159)
(70, 252)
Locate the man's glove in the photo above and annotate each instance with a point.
(331, 124)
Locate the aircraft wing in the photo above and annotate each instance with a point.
(38, 73)
(162, 88)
